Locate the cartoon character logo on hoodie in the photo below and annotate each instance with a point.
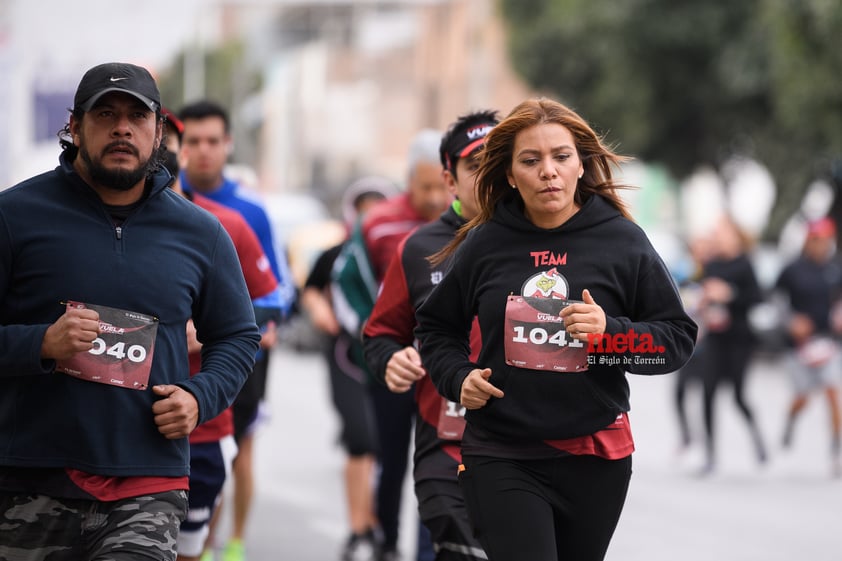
(546, 284)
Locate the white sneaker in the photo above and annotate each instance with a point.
(359, 548)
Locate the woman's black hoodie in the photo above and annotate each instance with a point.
(596, 249)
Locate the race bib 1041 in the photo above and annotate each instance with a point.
(121, 355)
(536, 338)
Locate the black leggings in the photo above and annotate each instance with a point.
(548, 510)
(727, 361)
(690, 374)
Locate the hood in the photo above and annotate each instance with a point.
(595, 210)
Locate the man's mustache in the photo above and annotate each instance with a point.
(121, 144)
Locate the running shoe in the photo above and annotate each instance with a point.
(234, 550)
(360, 547)
(389, 555)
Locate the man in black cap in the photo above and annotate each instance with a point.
(389, 345)
(101, 266)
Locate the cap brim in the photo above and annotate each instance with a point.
(470, 148)
(91, 101)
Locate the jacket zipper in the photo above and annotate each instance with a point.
(119, 231)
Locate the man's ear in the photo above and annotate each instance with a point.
(74, 129)
(159, 133)
(449, 181)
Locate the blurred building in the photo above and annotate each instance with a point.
(349, 83)
(346, 83)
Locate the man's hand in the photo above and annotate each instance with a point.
(74, 332)
(404, 369)
(177, 414)
(800, 328)
(319, 309)
(477, 390)
(193, 344)
(269, 335)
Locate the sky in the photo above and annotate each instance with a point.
(82, 33)
(72, 36)
(46, 46)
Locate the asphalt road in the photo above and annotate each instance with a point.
(789, 510)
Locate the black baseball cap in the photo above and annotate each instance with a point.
(117, 77)
(466, 142)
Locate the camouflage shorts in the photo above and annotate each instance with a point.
(40, 528)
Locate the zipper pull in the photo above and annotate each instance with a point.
(119, 231)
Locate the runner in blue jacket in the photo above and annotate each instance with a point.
(101, 266)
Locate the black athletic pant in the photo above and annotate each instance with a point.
(442, 509)
(729, 362)
(691, 373)
(394, 413)
(549, 510)
(246, 405)
(351, 399)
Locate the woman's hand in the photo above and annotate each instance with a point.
(717, 290)
(582, 320)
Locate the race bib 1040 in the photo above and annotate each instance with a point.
(536, 338)
(121, 355)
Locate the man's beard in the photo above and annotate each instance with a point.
(115, 179)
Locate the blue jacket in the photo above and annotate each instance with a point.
(169, 259)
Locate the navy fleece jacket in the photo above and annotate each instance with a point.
(169, 259)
